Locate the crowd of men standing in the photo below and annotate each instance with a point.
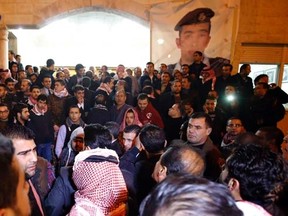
(138, 128)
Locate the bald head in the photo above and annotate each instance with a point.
(192, 161)
(179, 159)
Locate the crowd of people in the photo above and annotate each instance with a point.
(135, 142)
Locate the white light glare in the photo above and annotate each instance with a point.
(160, 41)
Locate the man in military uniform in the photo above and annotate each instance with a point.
(194, 35)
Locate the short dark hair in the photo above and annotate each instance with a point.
(35, 69)
(5, 104)
(132, 129)
(258, 171)
(174, 81)
(150, 63)
(107, 79)
(243, 67)
(211, 98)
(199, 53)
(34, 87)
(188, 78)
(78, 67)
(105, 67)
(100, 99)
(58, 74)
(204, 115)
(273, 133)
(61, 81)
(89, 74)
(32, 74)
(42, 97)
(27, 67)
(153, 138)
(143, 96)
(19, 132)
(19, 107)
(8, 174)
(78, 88)
(235, 117)
(187, 194)
(9, 79)
(97, 136)
(14, 63)
(73, 107)
(50, 62)
(175, 162)
(245, 138)
(86, 82)
(105, 74)
(166, 72)
(228, 65)
(148, 89)
(12, 52)
(46, 76)
(256, 80)
(187, 101)
(113, 127)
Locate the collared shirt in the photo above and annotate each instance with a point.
(205, 61)
(81, 105)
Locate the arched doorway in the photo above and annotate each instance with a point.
(91, 37)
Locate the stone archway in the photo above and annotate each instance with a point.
(44, 13)
(63, 8)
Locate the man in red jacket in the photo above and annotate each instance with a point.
(146, 112)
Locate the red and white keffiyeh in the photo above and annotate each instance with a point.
(100, 183)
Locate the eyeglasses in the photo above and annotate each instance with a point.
(4, 112)
(234, 125)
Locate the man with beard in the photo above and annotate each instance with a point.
(25, 151)
(13, 189)
(21, 113)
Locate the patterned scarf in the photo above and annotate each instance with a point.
(32, 100)
(99, 180)
(85, 207)
(38, 111)
(61, 94)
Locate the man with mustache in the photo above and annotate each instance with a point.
(25, 151)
